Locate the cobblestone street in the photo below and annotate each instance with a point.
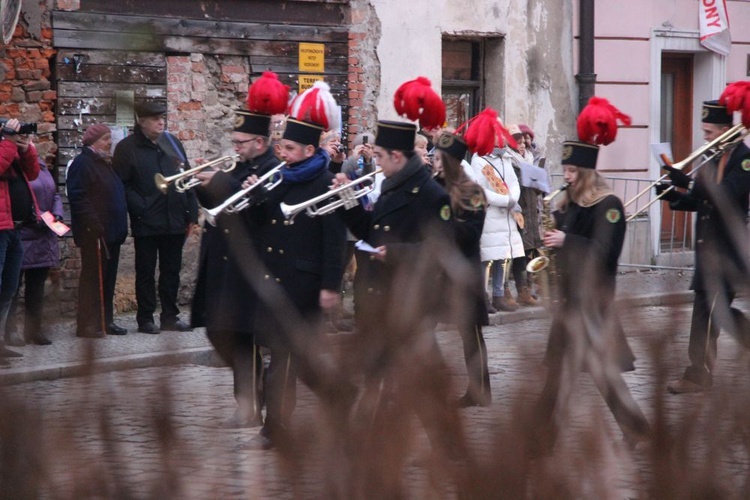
(115, 427)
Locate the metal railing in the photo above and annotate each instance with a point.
(668, 245)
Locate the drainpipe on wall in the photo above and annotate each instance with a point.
(586, 77)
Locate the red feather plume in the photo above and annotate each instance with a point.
(267, 95)
(417, 101)
(317, 105)
(736, 97)
(597, 123)
(485, 131)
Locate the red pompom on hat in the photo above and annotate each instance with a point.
(267, 95)
(417, 101)
(317, 105)
(94, 133)
(736, 97)
(597, 123)
(485, 131)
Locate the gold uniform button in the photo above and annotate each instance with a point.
(376, 226)
(372, 257)
(700, 241)
(387, 228)
(226, 231)
(273, 221)
(278, 280)
(281, 251)
(266, 277)
(286, 222)
(225, 257)
(370, 290)
(269, 249)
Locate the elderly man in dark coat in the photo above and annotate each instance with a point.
(99, 222)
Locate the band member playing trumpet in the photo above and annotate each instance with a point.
(586, 333)
(395, 297)
(224, 301)
(304, 266)
(718, 192)
(159, 222)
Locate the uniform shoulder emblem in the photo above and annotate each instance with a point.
(745, 165)
(445, 212)
(613, 215)
(476, 200)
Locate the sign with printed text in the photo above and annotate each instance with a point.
(307, 81)
(312, 57)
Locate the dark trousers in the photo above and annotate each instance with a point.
(33, 307)
(711, 312)
(564, 368)
(475, 355)
(167, 249)
(518, 267)
(93, 287)
(238, 350)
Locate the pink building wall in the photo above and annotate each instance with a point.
(625, 63)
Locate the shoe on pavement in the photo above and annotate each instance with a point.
(38, 339)
(90, 333)
(149, 328)
(240, 422)
(683, 386)
(14, 339)
(500, 303)
(7, 353)
(114, 329)
(176, 326)
(466, 401)
(259, 442)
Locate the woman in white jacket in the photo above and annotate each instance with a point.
(500, 237)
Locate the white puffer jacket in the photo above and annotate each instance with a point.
(500, 237)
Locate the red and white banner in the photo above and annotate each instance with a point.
(714, 21)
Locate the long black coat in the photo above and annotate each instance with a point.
(224, 298)
(405, 219)
(587, 263)
(300, 258)
(97, 200)
(137, 159)
(721, 237)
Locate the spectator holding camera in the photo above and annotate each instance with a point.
(19, 164)
(41, 251)
(360, 161)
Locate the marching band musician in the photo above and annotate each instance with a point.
(468, 205)
(719, 194)
(586, 332)
(304, 265)
(394, 294)
(224, 300)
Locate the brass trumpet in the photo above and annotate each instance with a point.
(241, 199)
(347, 197)
(725, 141)
(186, 180)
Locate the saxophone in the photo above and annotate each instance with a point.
(545, 265)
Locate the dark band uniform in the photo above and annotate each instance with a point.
(224, 301)
(721, 250)
(301, 258)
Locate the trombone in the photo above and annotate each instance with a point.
(241, 199)
(347, 197)
(724, 142)
(186, 180)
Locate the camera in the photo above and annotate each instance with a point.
(26, 128)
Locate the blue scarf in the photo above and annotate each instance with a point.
(306, 170)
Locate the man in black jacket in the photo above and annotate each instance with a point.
(224, 300)
(719, 194)
(159, 222)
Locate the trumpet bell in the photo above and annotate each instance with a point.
(537, 264)
(161, 183)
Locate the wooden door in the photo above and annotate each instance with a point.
(676, 129)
